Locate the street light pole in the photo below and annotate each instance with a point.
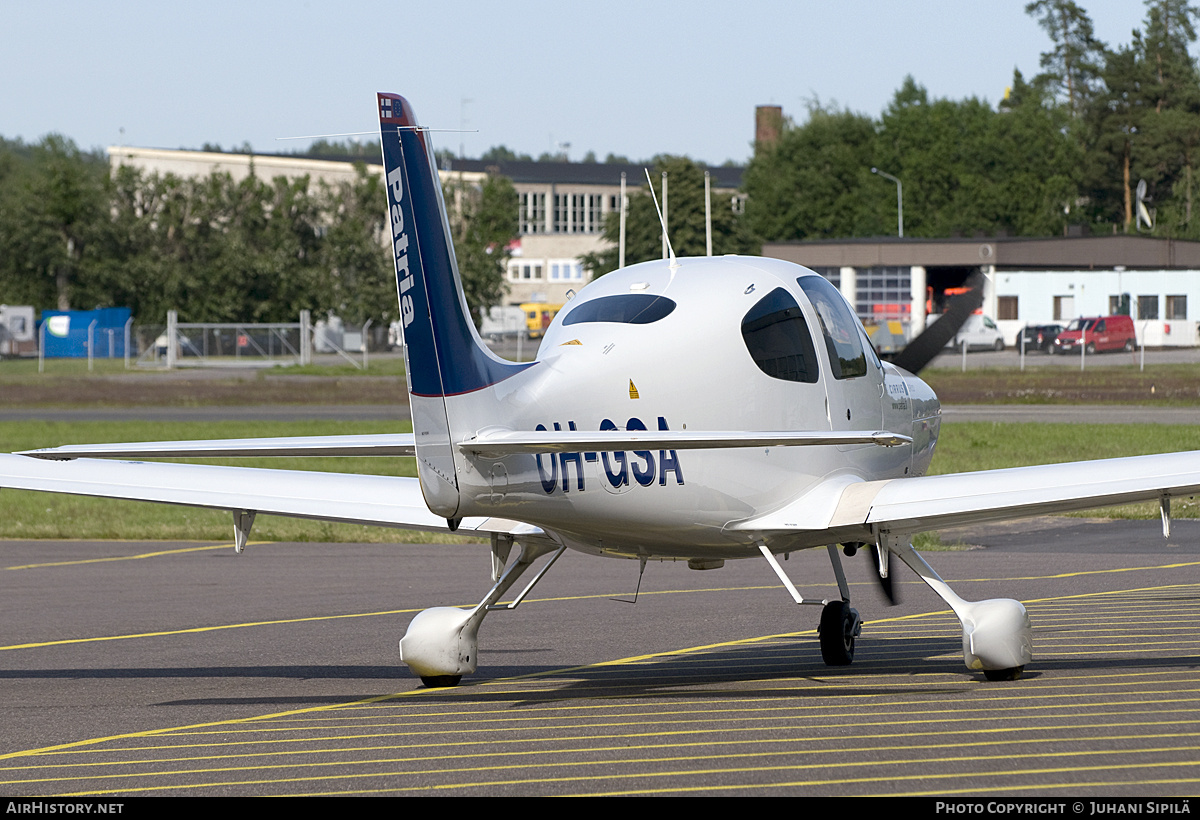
(899, 200)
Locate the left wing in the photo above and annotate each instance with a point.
(399, 444)
(387, 501)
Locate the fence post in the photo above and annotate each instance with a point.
(366, 341)
(305, 338)
(128, 325)
(42, 346)
(172, 321)
(91, 342)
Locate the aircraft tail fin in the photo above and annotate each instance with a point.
(446, 357)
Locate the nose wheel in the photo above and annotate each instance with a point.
(840, 626)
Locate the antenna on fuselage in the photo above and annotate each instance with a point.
(662, 219)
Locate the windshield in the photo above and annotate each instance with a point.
(1081, 324)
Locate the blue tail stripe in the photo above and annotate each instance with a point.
(446, 357)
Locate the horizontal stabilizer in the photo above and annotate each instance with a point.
(400, 444)
(387, 501)
(573, 441)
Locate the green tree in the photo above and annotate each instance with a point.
(483, 223)
(816, 183)
(355, 258)
(1166, 145)
(1073, 65)
(50, 213)
(685, 221)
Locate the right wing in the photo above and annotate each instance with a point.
(850, 507)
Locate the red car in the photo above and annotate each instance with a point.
(1099, 333)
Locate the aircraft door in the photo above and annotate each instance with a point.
(854, 378)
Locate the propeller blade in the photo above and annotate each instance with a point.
(885, 580)
(922, 350)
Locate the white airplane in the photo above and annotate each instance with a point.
(696, 409)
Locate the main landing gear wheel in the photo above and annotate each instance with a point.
(840, 625)
(440, 681)
(1013, 673)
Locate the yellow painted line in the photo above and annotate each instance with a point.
(1079, 574)
(198, 629)
(683, 773)
(132, 557)
(578, 764)
(823, 748)
(232, 721)
(506, 681)
(192, 630)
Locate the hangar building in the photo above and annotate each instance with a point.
(1028, 281)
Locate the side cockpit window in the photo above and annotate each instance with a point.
(843, 339)
(777, 337)
(628, 308)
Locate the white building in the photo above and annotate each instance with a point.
(1028, 281)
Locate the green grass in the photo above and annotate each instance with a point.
(963, 447)
(46, 515)
(971, 446)
(18, 371)
(1159, 385)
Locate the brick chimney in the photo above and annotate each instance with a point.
(768, 125)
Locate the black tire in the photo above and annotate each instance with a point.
(1091, 348)
(440, 681)
(1051, 349)
(999, 345)
(1013, 673)
(839, 623)
(1129, 345)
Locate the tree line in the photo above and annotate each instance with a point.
(1065, 149)
(76, 235)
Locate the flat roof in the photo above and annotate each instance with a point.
(1013, 253)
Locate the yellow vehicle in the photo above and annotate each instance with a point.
(538, 316)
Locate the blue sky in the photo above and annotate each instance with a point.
(623, 77)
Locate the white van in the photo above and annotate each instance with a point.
(978, 331)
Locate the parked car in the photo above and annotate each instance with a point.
(978, 331)
(1039, 337)
(1099, 333)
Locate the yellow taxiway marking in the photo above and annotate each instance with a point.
(156, 554)
(191, 630)
(502, 682)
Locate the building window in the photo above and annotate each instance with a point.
(1176, 307)
(1064, 308)
(520, 270)
(883, 293)
(1118, 305)
(578, 213)
(1006, 308)
(533, 212)
(1148, 307)
(832, 274)
(566, 270)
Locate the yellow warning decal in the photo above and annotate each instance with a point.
(572, 342)
(633, 393)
